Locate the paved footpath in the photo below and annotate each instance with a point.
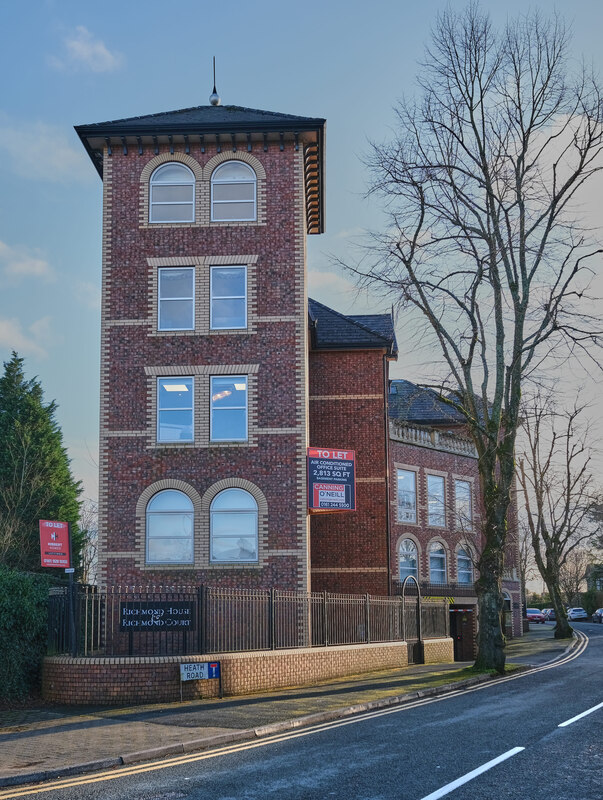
(49, 742)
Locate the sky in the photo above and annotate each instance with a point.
(67, 63)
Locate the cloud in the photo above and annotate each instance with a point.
(88, 294)
(349, 233)
(19, 262)
(83, 51)
(12, 336)
(42, 152)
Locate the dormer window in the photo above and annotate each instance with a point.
(172, 195)
(233, 193)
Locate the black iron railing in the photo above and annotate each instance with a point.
(193, 620)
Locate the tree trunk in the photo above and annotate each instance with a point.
(497, 469)
(563, 630)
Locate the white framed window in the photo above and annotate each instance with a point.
(464, 566)
(408, 559)
(175, 404)
(234, 527)
(407, 495)
(233, 193)
(176, 299)
(436, 506)
(228, 297)
(228, 408)
(462, 504)
(437, 563)
(169, 528)
(172, 194)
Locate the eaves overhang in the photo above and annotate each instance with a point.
(137, 134)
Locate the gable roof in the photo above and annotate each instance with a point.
(409, 402)
(226, 127)
(334, 331)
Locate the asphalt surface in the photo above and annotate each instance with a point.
(408, 752)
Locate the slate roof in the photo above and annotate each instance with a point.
(331, 330)
(409, 402)
(200, 118)
(238, 126)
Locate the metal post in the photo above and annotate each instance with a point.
(72, 591)
(72, 636)
(367, 618)
(271, 618)
(200, 614)
(204, 606)
(324, 619)
(403, 612)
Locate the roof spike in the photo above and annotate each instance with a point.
(214, 97)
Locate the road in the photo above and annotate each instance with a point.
(516, 740)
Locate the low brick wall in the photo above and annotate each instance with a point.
(438, 651)
(157, 679)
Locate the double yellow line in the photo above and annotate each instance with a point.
(124, 772)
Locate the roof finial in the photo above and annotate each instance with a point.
(214, 97)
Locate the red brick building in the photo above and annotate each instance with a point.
(217, 373)
(204, 345)
(349, 360)
(435, 511)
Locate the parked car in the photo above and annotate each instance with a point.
(534, 615)
(598, 615)
(576, 613)
(545, 612)
(550, 615)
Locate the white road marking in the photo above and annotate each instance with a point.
(450, 787)
(136, 769)
(579, 716)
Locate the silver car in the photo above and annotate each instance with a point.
(598, 615)
(577, 613)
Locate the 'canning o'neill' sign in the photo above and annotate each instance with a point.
(160, 615)
(331, 484)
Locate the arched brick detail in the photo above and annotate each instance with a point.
(200, 197)
(470, 550)
(417, 544)
(258, 495)
(235, 483)
(141, 521)
(247, 158)
(260, 173)
(444, 545)
(165, 158)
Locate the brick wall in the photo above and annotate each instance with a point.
(438, 651)
(424, 461)
(349, 550)
(148, 680)
(272, 352)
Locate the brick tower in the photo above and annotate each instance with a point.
(204, 345)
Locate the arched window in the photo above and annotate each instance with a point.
(234, 527)
(437, 563)
(170, 528)
(172, 195)
(464, 566)
(233, 193)
(408, 559)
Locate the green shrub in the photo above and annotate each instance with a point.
(592, 600)
(23, 631)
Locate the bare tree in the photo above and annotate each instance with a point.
(480, 185)
(526, 564)
(572, 575)
(559, 496)
(89, 526)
